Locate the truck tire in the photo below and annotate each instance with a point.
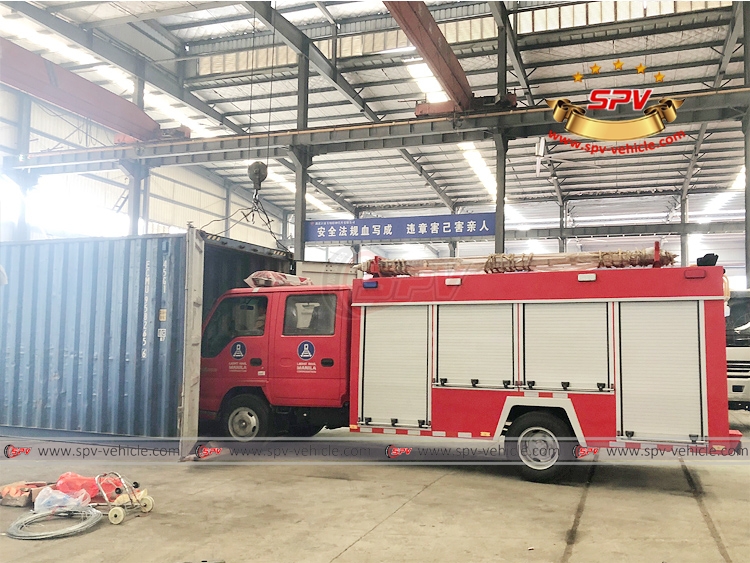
(304, 430)
(539, 442)
(247, 417)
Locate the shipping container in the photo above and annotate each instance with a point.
(102, 336)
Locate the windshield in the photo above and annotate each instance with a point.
(738, 322)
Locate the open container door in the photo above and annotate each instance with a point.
(191, 366)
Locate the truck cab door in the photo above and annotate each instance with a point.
(234, 348)
(310, 356)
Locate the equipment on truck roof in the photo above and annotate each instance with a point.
(501, 263)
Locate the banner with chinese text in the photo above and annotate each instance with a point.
(435, 227)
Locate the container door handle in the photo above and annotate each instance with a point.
(326, 362)
(256, 362)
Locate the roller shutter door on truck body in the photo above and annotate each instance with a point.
(475, 342)
(566, 342)
(395, 364)
(661, 372)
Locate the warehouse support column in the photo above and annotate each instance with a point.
(139, 84)
(502, 61)
(501, 143)
(746, 129)
(303, 86)
(24, 179)
(285, 228)
(145, 200)
(301, 164)
(356, 248)
(138, 180)
(563, 225)
(301, 158)
(684, 251)
(501, 146)
(227, 210)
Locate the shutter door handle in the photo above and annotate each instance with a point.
(326, 362)
(256, 362)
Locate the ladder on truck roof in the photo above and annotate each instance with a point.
(501, 263)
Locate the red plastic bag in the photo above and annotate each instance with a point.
(71, 483)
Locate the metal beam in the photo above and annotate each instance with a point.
(301, 162)
(449, 203)
(122, 59)
(726, 54)
(416, 21)
(38, 77)
(184, 9)
(708, 106)
(322, 188)
(501, 146)
(25, 181)
(137, 179)
(72, 5)
(301, 44)
(668, 23)
(500, 13)
(684, 254)
(326, 13)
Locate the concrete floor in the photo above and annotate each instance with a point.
(697, 512)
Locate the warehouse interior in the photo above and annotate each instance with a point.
(220, 69)
(190, 143)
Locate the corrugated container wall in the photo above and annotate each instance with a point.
(92, 335)
(92, 330)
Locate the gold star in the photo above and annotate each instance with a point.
(641, 68)
(659, 77)
(578, 77)
(618, 64)
(595, 69)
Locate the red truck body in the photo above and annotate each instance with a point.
(620, 356)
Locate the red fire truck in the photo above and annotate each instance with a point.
(602, 357)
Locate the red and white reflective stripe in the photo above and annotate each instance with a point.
(415, 432)
(545, 394)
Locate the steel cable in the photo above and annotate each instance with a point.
(88, 516)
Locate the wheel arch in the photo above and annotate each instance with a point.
(561, 408)
(237, 391)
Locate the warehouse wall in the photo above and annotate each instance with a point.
(95, 204)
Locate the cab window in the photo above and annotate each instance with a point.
(234, 317)
(310, 315)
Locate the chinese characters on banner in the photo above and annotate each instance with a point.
(436, 227)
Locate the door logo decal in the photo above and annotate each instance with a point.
(306, 350)
(238, 350)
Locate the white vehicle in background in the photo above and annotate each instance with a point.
(738, 350)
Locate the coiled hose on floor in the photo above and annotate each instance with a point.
(88, 518)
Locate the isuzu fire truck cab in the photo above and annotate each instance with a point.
(599, 358)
